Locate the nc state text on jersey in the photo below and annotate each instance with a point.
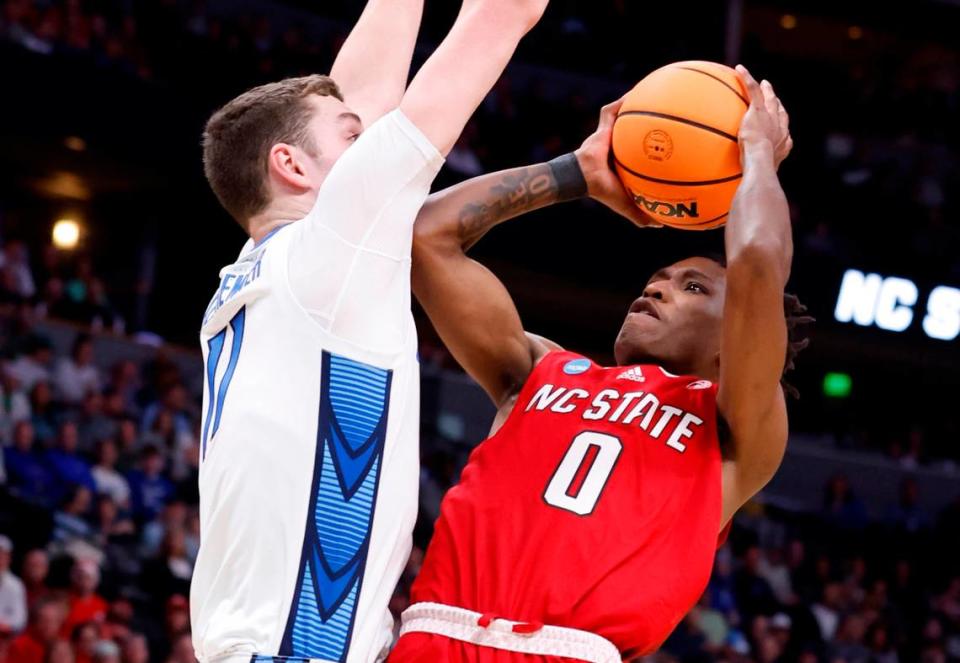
(655, 418)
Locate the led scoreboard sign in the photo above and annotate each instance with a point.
(893, 303)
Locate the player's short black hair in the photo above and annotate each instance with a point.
(795, 314)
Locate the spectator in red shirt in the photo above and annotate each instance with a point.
(119, 617)
(135, 649)
(85, 604)
(177, 619)
(31, 646)
(60, 651)
(6, 638)
(84, 638)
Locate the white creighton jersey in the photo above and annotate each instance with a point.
(308, 479)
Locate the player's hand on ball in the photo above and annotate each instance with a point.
(766, 119)
(603, 185)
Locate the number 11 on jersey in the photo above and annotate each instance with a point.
(579, 480)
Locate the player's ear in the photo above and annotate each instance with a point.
(285, 164)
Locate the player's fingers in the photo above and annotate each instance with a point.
(620, 201)
(770, 100)
(753, 88)
(638, 216)
(783, 118)
(643, 220)
(783, 151)
(608, 114)
(781, 109)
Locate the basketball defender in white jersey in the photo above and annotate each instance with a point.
(308, 479)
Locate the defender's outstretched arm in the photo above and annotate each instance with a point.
(759, 248)
(373, 65)
(452, 83)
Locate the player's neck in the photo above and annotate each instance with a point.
(279, 213)
(708, 370)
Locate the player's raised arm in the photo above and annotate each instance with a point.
(373, 64)
(452, 83)
(759, 249)
(469, 306)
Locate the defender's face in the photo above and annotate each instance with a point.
(676, 321)
(333, 128)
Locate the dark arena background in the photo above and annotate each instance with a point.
(110, 242)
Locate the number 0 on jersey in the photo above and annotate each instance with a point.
(579, 480)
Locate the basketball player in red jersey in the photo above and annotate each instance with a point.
(585, 527)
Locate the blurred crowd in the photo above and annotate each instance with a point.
(98, 495)
(820, 589)
(56, 285)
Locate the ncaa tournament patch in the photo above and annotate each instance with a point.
(576, 366)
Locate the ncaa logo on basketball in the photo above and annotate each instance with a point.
(664, 208)
(658, 145)
(576, 366)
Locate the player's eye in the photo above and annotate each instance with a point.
(693, 286)
(353, 137)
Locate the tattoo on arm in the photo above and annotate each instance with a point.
(514, 194)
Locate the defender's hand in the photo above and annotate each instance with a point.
(603, 185)
(766, 121)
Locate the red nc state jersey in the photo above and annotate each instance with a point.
(596, 506)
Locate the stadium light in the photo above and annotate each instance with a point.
(75, 143)
(66, 234)
(837, 385)
(788, 21)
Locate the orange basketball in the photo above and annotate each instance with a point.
(675, 143)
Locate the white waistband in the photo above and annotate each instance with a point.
(250, 658)
(461, 624)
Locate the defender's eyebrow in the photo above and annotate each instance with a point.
(349, 116)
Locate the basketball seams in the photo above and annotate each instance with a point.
(657, 180)
(681, 120)
(722, 82)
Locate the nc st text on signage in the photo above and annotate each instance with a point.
(893, 303)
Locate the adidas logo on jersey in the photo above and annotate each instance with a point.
(634, 374)
(700, 384)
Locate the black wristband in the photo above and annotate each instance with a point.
(569, 177)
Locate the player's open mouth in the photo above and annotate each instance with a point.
(645, 306)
